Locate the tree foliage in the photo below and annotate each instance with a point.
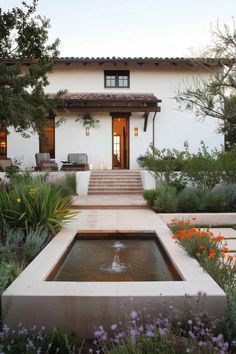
(25, 60)
(216, 96)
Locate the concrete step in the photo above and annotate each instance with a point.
(116, 187)
(115, 182)
(113, 192)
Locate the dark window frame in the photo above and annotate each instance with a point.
(117, 74)
(52, 154)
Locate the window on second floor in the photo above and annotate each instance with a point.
(116, 78)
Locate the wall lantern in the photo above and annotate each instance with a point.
(87, 130)
(135, 131)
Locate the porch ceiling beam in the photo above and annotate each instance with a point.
(108, 109)
(145, 116)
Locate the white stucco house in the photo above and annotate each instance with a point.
(133, 100)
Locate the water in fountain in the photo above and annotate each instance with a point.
(116, 266)
(118, 245)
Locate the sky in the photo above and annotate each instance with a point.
(129, 28)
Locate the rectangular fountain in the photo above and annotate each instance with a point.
(107, 257)
(83, 279)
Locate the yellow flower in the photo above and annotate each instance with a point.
(18, 200)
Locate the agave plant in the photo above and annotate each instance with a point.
(36, 204)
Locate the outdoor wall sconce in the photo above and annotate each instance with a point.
(87, 130)
(135, 131)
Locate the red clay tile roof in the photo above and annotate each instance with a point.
(107, 97)
(126, 60)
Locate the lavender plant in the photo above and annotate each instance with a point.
(36, 341)
(169, 332)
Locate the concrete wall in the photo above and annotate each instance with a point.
(172, 126)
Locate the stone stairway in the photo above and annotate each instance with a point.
(115, 182)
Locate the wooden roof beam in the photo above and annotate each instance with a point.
(145, 116)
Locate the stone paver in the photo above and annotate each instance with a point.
(109, 201)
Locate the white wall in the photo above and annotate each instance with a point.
(70, 137)
(22, 149)
(172, 126)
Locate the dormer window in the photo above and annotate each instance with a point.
(116, 78)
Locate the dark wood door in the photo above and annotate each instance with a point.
(120, 142)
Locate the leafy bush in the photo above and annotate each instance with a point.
(228, 192)
(212, 202)
(17, 250)
(163, 164)
(150, 195)
(35, 204)
(166, 200)
(189, 199)
(14, 169)
(203, 168)
(227, 162)
(9, 269)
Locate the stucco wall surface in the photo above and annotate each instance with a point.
(172, 127)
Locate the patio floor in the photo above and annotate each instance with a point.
(110, 201)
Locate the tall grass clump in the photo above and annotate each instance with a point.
(35, 204)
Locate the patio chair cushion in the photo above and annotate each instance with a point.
(43, 161)
(78, 158)
(42, 157)
(5, 163)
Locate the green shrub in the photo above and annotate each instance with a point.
(189, 199)
(150, 195)
(9, 269)
(212, 202)
(163, 164)
(166, 200)
(227, 161)
(228, 192)
(67, 184)
(203, 169)
(36, 204)
(34, 242)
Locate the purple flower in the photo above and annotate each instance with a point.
(149, 334)
(133, 315)
(113, 327)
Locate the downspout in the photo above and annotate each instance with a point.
(153, 130)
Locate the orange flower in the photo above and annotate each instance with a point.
(212, 253)
(194, 218)
(225, 249)
(231, 258)
(202, 247)
(217, 238)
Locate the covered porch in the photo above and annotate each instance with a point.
(124, 121)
